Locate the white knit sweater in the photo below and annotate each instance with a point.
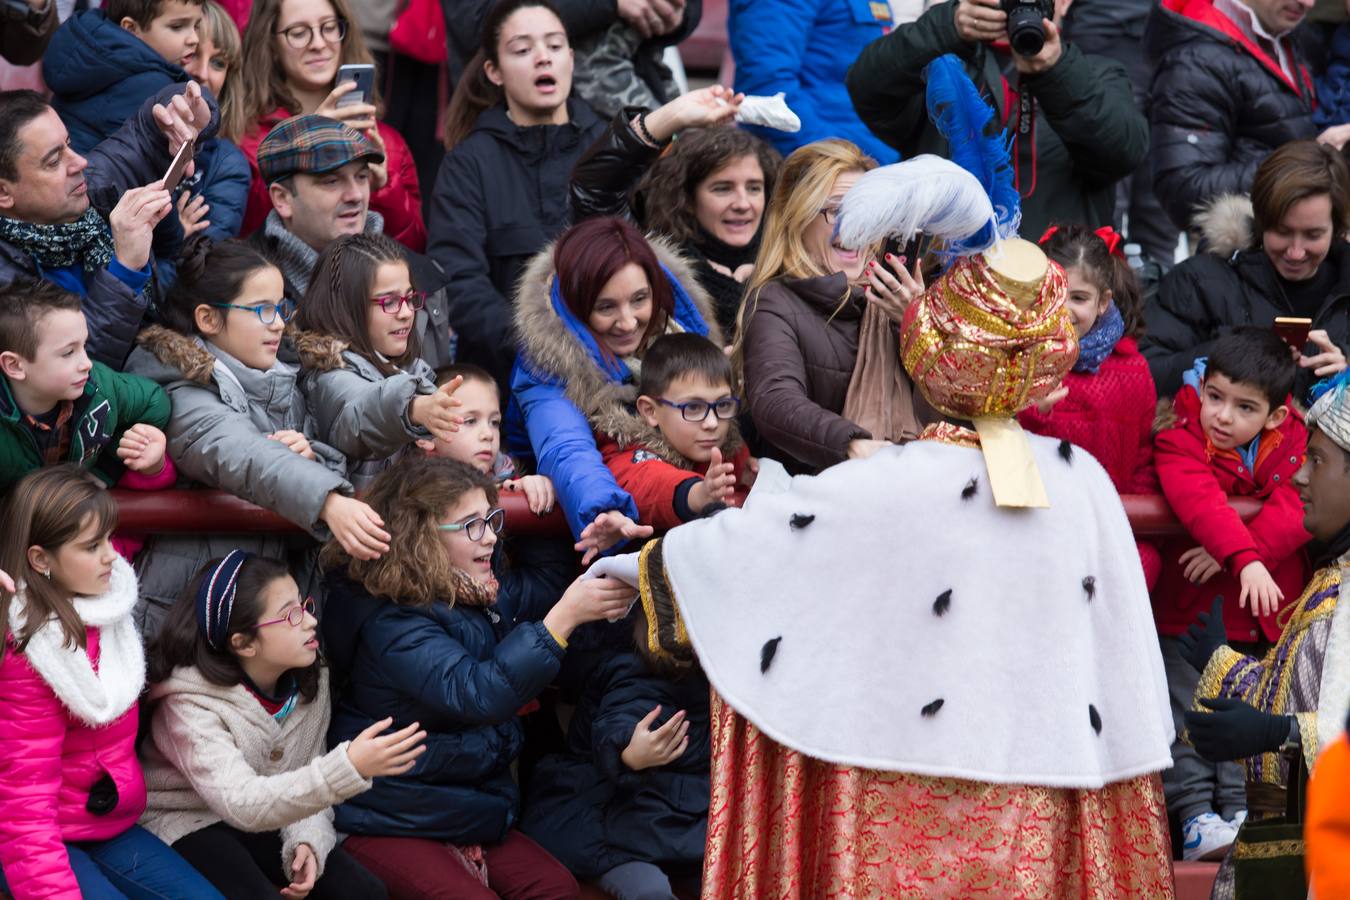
(217, 755)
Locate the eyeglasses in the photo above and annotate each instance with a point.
(267, 312)
(475, 528)
(331, 30)
(830, 213)
(294, 616)
(392, 303)
(697, 410)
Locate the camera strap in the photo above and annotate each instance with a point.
(1026, 131)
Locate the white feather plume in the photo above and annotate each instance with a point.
(925, 194)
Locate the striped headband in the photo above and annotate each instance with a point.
(215, 598)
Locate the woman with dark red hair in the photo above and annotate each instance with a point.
(586, 310)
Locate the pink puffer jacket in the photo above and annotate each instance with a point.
(67, 719)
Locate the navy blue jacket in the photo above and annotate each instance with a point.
(100, 74)
(590, 810)
(463, 673)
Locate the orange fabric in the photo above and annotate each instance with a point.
(1327, 826)
(783, 825)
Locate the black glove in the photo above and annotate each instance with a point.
(1206, 634)
(1235, 730)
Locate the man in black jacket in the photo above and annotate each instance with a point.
(1073, 116)
(1231, 86)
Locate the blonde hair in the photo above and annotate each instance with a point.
(262, 84)
(219, 28)
(805, 182)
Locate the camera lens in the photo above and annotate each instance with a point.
(1025, 31)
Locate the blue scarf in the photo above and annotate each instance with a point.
(686, 314)
(1095, 346)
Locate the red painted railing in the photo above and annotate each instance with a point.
(220, 513)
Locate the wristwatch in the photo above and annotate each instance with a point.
(19, 11)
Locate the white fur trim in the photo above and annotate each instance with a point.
(95, 698)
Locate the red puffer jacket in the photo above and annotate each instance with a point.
(1197, 480)
(1110, 415)
(657, 485)
(399, 201)
(67, 728)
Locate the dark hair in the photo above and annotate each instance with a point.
(209, 273)
(661, 665)
(467, 371)
(1296, 171)
(1256, 357)
(673, 355)
(181, 643)
(588, 255)
(17, 109)
(49, 508)
(24, 303)
(474, 92)
(411, 497)
(338, 300)
(142, 12)
(667, 190)
(1079, 247)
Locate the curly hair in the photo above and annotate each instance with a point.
(412, 497)
(667, 189)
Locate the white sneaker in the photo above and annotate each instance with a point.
(1238, 819)
(1206, 836)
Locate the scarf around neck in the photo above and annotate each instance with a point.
(724, 254)
(86, 241)
(1101, 339)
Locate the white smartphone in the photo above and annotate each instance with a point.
(364, 76)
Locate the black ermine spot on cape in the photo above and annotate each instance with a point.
(942, 603)
(800, 521)
(1095, 718)
(1066, 451)
(766, 653)
(971, 489)
(932, 709)
(1090, 587)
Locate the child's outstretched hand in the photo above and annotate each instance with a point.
(1257, 585)
(304, 872)
(718, 484)
(649, 748)
(1197, 566)
(589, 600)
(374, 752)
(357, 527)
(436, 412)
(294, 441)
(608, 529)
(142, 449)
(538, 491)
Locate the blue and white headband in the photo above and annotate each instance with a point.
(215, 598)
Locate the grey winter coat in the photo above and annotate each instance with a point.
(222, 414)
(356, 408)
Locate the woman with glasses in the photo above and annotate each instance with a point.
(586, 311)
(239, 422)
(435, 633)
(292, 51)
(371, 394)
(798, 336)
(238, 777)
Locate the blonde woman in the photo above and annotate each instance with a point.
(292, 51)
(797, 344)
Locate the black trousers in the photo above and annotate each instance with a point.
(247, 865)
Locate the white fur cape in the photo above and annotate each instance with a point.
(919, 628)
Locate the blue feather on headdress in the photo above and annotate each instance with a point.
(965, 120)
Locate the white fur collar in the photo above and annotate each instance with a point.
(96, 698)
(1334, 694)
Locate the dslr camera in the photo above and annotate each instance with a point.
(1025, 31)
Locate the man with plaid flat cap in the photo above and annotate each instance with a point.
(318, 174)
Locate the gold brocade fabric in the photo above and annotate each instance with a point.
(783, 825)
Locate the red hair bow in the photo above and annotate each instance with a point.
(1109, 236)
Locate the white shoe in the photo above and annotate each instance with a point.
(1206, 836)
(1238, 819)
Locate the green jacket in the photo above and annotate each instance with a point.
(112, 403)
(1086, 133)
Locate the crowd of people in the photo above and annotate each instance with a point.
(374, 306)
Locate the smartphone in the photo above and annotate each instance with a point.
(1293, 330)
(364, 76)
(178, 166)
